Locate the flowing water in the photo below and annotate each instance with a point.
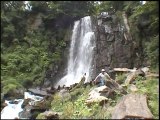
(81, 52)
(12, 111)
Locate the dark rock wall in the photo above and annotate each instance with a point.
(113, 46)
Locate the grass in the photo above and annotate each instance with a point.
(149, 87)
(120, 78)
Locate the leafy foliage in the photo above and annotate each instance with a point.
(144, 27)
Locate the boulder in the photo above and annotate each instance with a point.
(13, 102)
(3, 105)
(38, 92)
(50, 115)
(15, 94)
(95, 95)
(133, 88)
(50, 90)
(132, 106)
(25, 102)
(24, 114)
(145, 70)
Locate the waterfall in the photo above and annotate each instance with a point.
(81, 52)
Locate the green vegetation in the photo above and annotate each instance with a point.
(120, 78)
(76, 108)
(149, 87)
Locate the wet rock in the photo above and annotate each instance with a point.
(13, 102)
(25, 102)
(50, 90)
(132, 106)
(15, 94)
(25, 114)
(38, 92)
(3, 105)
(31, 111)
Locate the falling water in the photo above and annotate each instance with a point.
(80, 54)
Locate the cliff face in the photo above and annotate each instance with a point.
(114, 45)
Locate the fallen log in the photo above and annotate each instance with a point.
(124, 70)
(132, 76)
(132, 106)
(152, 75)
(112, 84)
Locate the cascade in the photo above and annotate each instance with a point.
(80, 54)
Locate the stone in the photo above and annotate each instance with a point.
(95, 95)
(130, 78)
(15, 94)
(133, 88)
(13, 102)
(3, 105)
(145, 70)
(38, 92)
(25, 102)
(24, 115)
(50, 115)
(132, 106)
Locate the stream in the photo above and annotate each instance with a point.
(12, 110)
